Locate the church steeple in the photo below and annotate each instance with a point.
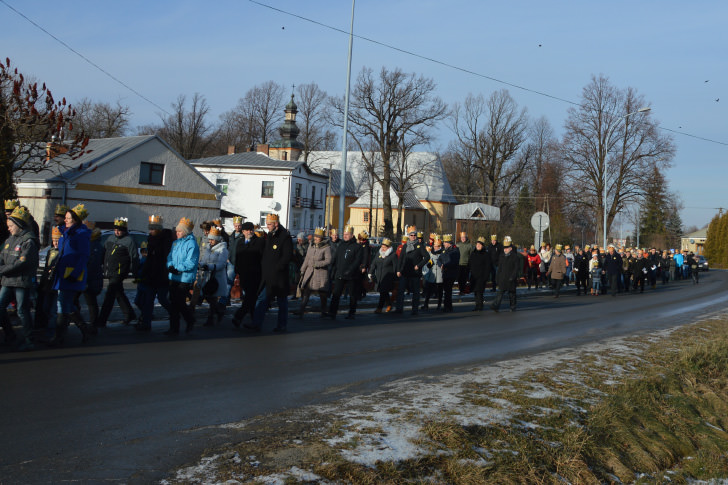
(288, 148)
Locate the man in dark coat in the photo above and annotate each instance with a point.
(346, 272)
(412, 259)
(613, 266)
(581, 271)
(509, 268)
(640, 269)
(120, 258)
(247, 265)
(495, 250)
(154, 277)
(479, 265)
(277, 254)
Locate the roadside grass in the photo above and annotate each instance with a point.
(655, 411)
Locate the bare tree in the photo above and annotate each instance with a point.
(490, 136)
(382, 110)
(316, 133)
(101, 120)
(187, 131)
(607, 142)
(30, 118)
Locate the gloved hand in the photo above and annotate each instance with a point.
(173, 270)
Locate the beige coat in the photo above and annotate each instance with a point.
(315, 268)
(557, 269)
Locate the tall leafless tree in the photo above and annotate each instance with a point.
(606, 135)
(383, 109)
(312, 119)
(257, 116)
(186, 130)
(490, 137)
(101, 120)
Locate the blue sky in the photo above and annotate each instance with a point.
(666, 50)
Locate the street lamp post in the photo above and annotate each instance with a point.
(604, 174)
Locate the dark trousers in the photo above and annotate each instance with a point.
(430, 290)
(115, 292)
(613, 283)
(250, 295)
(557, 286)
(627, 282)
(447, 285)
(147, 295)
(532, 278)
(92, 302)
(499, 297)
(178, 305)
(338, 288)
(639, 280)
(479, 291)
(582, 282)
(493, 272)
(384, 299)
(413, 284)
(306, 294)
(463, 274)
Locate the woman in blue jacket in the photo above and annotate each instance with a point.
(182, 266)
(70, 278)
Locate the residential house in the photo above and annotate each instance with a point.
(695, 241)
(132, 177)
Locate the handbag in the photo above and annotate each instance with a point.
(210, 287)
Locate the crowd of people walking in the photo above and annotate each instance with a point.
(259, 267)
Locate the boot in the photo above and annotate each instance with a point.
(61, 328)
(302, 307)
(86, 330)
(210, 318)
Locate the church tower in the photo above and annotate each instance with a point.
(288, 147)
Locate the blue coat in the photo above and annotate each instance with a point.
(73, 252)
(184, 256)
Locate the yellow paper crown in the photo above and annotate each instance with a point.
(481, 239)
(271, 218)
(507, 241)
(320, 232)
(349, 229)
(215, 232)
(155, 220)
(21, 214)
(121, 222)
(61, 210)
(187, 222)
(447, 238)
(11, 204)
(56, 233)
(386, 242)
(237, 220)
(80, 211)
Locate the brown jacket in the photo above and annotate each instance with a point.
(315, 268)
(557, 269)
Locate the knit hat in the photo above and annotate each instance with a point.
(61, 210)
(20, 217)
(300, 235)
(155, 222)
(215, 233)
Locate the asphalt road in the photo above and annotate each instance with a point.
(131, 407)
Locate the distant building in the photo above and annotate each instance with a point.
(695, 241)
(130, 177)
(429, 187)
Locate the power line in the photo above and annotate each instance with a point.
(85, 58)
(458, 68)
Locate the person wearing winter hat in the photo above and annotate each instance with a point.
(18, 265)
(214, 276)
(71, 274)
(182, 264)
(315, 271)
(121, 258)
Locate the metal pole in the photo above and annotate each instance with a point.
(342, 195)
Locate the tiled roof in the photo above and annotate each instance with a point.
(335, 187)
(246, 159)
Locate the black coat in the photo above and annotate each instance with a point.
(247, 262)
(347, 260)
(612, 264)
(509, 268)
(480, 266)
(449, 261)
(417, 256)
(384, 270)
(495, 251)
(277, 255)
(154, 272)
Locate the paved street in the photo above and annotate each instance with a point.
(132, 406)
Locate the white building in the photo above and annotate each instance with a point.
(130, 177)
(255, 185)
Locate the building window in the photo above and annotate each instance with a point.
(267, 190)
(298, 190)
(262, 218)
(366, 216)
(311, 220)
(222, 185)
(296, 221)
(321, 221)
(151, 173)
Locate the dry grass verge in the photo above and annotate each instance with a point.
(647, 409)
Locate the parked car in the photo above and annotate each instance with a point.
(702, 263)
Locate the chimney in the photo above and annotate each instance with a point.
(54, 149)
(231, 149)
(262, 148)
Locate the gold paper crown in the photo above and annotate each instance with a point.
(420, 234)
(56, 233)
(155, 220)
(558, 247)
(121, 222)
(187, 222)
(21, 214)
(349, 229)
(332, 231)
(433, 235)
(11, 204)
(61, 210)
(215, 232)
(533, 248)
(271, 218)
(80, 211)
(387, 242)
(481, 239)
(145, 244)
(493, 237)
(412, 229)
(463, 233)
(507, 241)
(217, 222)
(237, 220)
(404, 238)
(320, 232)
(447, 238)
